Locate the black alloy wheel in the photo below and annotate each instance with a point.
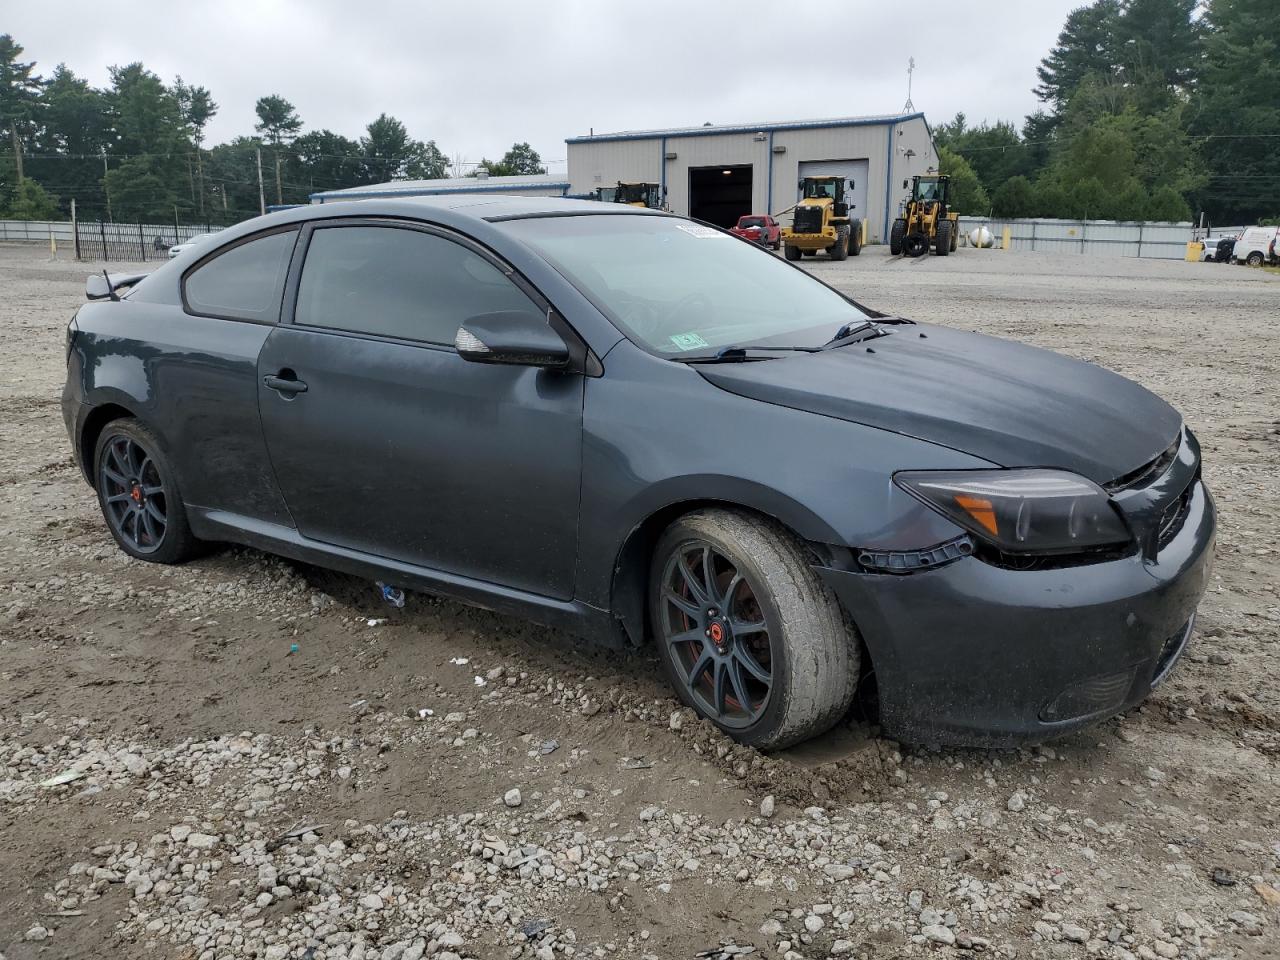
(133, 494)
(716, 635)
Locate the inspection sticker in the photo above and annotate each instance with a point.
(688, 341)
(699, 231)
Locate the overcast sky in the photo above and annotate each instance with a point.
(477, 76)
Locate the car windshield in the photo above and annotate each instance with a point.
(819, 188)
(927, 189)
(679, 288)
(751, 222)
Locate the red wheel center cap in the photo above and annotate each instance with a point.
(717, 633)
(136, 493)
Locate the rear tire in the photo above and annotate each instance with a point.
(896, 236)
(943, 241)
(840, 249)
(769, 606)
(1254, 259)
(790, 252)
(139, 496)
(955, 237)
(855, 239)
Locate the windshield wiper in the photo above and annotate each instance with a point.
(737, 354)
(855, 331)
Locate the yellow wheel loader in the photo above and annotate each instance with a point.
(823, 220)
(928, 220)
(649, 195)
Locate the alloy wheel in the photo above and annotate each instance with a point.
(133, 494)
(715, 631)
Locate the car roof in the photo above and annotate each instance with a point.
(472, 205)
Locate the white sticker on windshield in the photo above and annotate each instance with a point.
(699, 231)
(688, 341)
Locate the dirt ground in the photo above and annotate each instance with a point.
(200, 714)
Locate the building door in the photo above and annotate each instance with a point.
(720, 195)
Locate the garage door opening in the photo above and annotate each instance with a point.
(720, 195)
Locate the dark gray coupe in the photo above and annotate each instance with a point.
(637, 427)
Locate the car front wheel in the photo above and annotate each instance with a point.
(749, 635)
(138, 493)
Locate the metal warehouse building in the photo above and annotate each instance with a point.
(544, 185)
(718, 173)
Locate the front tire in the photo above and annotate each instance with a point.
(943, 240)
(896, 234)
(855, 239)
(790, 252)
(840, 249)
(139, 496)
(748, 634)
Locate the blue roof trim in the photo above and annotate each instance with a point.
(335, 195)
(748, 128)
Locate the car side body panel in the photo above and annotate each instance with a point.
(140, 356)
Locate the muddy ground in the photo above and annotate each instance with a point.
(199, 714)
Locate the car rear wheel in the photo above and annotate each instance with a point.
(749, 635)
(139, 495)
(1254, 259)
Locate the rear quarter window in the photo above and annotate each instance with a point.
(244, 281)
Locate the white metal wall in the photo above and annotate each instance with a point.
(1108, 238)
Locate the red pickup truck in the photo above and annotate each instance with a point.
(759, 228)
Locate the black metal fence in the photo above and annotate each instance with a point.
(99, 240)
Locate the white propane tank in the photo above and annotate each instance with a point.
(981, 237)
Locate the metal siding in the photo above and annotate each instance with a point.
(603, 163)
(1108, 238)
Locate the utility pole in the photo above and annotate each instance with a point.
(17, 149)
(200, 177)
(279, 192)
(262, 198)
(105, 189)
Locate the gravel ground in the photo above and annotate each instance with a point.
(176, 780)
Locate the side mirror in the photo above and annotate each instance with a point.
(906, 184)
(516, 337)
(98, 287)
(799, 184)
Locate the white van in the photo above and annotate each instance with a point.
(1257, 245)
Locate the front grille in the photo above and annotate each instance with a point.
(1174, 516)
(807, 220)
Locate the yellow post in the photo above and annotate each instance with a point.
(864, 231)
(1194, 249)
(1006, 238)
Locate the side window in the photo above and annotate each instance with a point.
(399, 283)
(244, 283)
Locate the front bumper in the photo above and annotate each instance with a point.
(978, 655)
(810, 241)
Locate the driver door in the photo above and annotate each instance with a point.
(384, 440)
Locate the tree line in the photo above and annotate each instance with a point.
(135, 150)
(1152, 110)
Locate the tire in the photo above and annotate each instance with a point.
(942, 243)
(896, 236)
(840, 249)
(955, 237)
(790, 252)
(915, 245)
(777, 245)
(813, 650)
(139, 496)
(1255, 258)
(855, 239)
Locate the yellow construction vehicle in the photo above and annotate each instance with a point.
(927, 221)
(640, 195)
(823, 221)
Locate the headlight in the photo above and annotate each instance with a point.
(1022, 511)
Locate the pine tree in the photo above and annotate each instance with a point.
(19, 96)
(1086, 45)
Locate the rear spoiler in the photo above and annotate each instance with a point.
(104, 286)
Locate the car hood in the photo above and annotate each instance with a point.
(1005, 402)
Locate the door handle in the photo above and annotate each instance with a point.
(285, 385)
